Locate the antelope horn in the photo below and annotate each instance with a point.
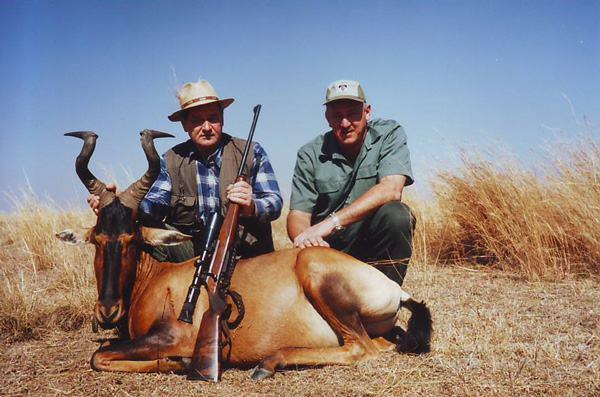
(134, 194)
(92, 184)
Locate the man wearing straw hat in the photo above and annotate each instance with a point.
(348, 184)
(198, 177)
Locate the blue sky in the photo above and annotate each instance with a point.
(460, 73)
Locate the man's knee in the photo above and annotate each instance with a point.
(395, 217)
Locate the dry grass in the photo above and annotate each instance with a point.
(494, 336)
(43, 283)
(497, 333)
(541, 225)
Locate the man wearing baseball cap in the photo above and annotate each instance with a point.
(347, 185)
(197, 178)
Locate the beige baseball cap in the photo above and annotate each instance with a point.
(197, 94)
(345, 89)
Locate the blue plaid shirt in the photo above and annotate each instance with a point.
(265, 190)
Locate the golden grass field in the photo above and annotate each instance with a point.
(507, 259)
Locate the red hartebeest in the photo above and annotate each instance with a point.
(302, 307)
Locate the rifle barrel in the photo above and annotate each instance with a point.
(249, 141)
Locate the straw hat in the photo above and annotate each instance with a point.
(197, 94)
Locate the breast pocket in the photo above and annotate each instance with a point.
(367, 171)
(329, 186)
(329, 194)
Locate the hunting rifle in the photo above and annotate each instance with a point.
(206, 360)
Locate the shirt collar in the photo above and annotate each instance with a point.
(215, 158)
(331, 147)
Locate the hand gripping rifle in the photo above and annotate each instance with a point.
(206, 361)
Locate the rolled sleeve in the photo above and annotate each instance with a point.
(265, 189)
(304, 193)
(394, 156)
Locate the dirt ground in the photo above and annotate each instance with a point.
(494, 336)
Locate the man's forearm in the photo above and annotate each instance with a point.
(297, 222)
(389, 189)
(153, 210)
(268, 207)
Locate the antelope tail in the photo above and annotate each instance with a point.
(417, 338)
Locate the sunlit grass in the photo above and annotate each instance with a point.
(541, 224)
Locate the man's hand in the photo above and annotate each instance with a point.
(314, 235)
(241, 193)
(94, 201)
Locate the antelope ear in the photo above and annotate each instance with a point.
(75, 237)
(157, 237)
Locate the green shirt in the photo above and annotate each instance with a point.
(321, 182)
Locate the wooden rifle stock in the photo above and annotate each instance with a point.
(206, 360)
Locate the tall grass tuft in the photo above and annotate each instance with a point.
(43, 283)
(543, 224)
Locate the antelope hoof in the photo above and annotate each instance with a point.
(260, 373)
